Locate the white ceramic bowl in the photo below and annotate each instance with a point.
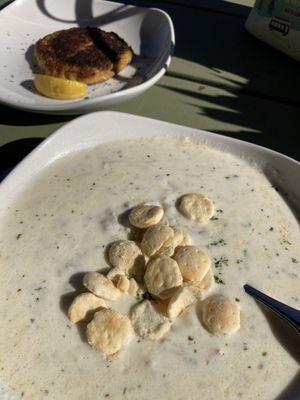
(97, 128)
(150, 33)
(105, 126)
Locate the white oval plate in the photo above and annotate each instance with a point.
(149, 32)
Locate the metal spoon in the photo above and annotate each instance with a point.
(291, 315)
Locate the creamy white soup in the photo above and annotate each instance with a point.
(59, 228)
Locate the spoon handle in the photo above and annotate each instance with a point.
(290, 314)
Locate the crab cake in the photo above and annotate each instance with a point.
(87, 55)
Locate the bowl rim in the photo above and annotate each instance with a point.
(107, 126)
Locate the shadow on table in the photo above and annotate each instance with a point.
(5, 4)
(12, 153)
(261, 122)
(14, 117)
(260, 85)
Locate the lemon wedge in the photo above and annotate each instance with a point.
(58, 88)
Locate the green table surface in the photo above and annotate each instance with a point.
(221, 79)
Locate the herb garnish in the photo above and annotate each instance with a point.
(222, 261)
(219, 280)
(220, 242)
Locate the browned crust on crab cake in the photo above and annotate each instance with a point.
(87, 55)
(114, 47)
